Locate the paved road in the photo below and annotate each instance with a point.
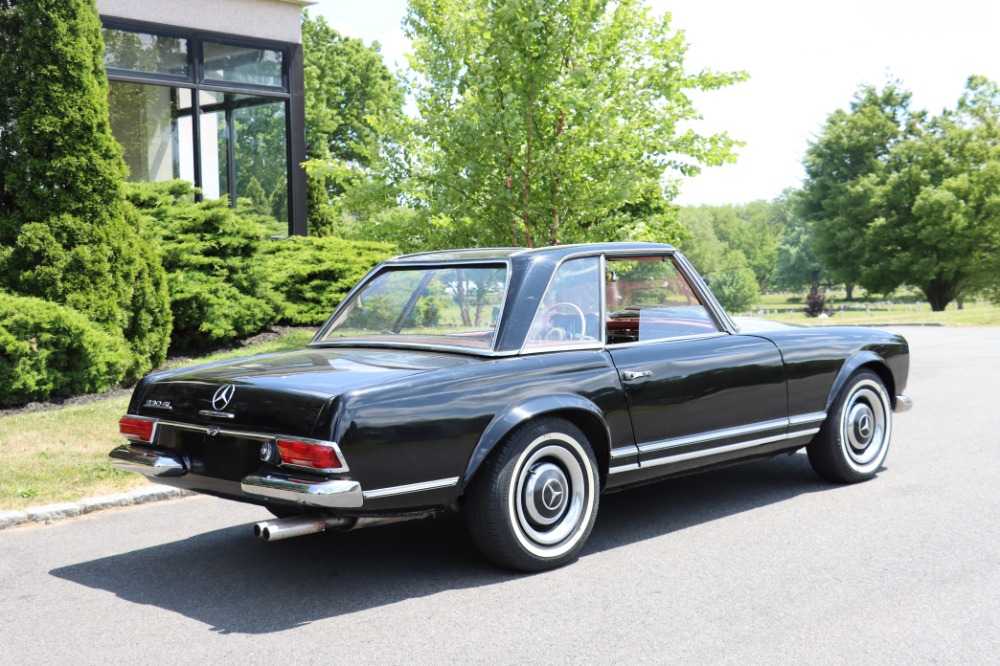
(757, 564)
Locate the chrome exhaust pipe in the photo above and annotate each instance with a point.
(286, 528)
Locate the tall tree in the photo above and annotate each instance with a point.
(938, 204)
(552, 122)
(66, 232)
(353, 101)
(851, 151)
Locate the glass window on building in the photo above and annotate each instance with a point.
(154, 126)
(238, 64)
(147, 53)
(203, 110)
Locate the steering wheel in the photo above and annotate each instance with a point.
(555, 330)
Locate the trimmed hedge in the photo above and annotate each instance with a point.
(218, 288)
(310, 275)
(49, 350)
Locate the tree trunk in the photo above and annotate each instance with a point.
(849, 288)
(939, 294)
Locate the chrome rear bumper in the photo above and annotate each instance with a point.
(326, 494)
(164, 467)
(903, 404)
(148, 462)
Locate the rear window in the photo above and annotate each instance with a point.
(450, 306)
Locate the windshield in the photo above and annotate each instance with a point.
(449, 306)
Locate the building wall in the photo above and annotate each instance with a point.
(279, 20)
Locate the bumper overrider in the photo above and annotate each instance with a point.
(142, 456)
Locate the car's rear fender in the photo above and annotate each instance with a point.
(580, 411)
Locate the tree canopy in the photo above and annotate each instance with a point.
(551, 122)
(353, 101)
(897, 198)
(851, 152)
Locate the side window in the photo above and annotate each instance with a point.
(648, 298)
(569, 313)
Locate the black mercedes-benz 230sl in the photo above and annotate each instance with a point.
(514, 385)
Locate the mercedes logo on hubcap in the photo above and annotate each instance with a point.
(223, 396)
(865, 426)
(552, 494)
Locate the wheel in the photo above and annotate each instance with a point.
(854, 440)
(533, 503)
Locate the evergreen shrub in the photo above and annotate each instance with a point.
(218, 287)
(51, 350)
(66, 233)
(310, 275)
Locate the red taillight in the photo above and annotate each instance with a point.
(137, 429)
(309, 454)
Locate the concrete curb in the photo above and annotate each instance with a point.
(51, 513)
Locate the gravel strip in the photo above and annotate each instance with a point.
(51, 513)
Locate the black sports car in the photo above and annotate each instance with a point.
(515, 385)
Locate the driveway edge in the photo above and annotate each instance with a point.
(51, 513)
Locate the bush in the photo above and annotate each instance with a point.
(734, 285)
(218, 288)
(311, 275)
(65, 235)
(51, 350)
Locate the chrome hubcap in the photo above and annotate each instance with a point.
(552, 495)
(545, 494)
(865, 425)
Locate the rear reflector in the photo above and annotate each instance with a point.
(311, 455)
(137, 429)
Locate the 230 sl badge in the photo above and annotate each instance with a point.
(159, 404)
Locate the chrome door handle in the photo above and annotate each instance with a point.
(629, 375)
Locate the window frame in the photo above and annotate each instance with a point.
(723, 324)
(291, 93)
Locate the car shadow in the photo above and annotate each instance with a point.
(237, 584)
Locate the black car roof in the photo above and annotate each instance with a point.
(553, 252)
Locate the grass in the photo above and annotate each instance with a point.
(902, 310)
(61, 454)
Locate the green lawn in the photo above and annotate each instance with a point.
(872, 312)
(61, 454)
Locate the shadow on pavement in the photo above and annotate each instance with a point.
(237, 584)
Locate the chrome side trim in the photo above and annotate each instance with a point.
(151, 463)
(713, 435)
(903, 404)
(679, 457)
(337, 494)
(804, 419)
(624, 451)
(721, 434)
(411, 488)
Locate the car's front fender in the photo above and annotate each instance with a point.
(853, 364)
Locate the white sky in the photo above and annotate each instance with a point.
(805, 58)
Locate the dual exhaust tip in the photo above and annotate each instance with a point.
(286, 528)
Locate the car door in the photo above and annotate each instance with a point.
(696, 392)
